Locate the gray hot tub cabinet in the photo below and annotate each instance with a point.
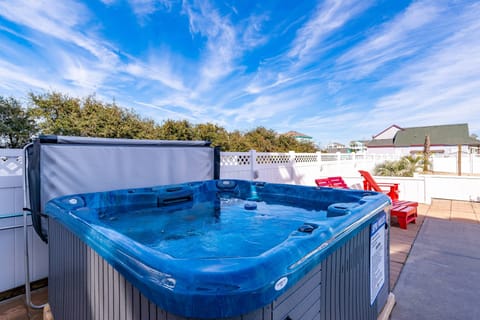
(82, 285)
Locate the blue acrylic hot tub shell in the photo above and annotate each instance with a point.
(298, 227)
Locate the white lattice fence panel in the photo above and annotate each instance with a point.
(347, 156)
(234, 159)
(272, 158)
(328, 157)
(306, 158)
(11, 165)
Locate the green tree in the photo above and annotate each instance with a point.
(304, 146)
(176, 130)
(261, 139)
(16, 127)
(60, 114)
(217, 135)
(236, 142)
(285, 143)
(56, 113)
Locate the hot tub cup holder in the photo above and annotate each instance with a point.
(340, 209)
(226, 184)
(307, 227)
(250, 205)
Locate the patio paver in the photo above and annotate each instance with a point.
(401, 241)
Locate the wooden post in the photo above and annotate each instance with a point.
(459, 160)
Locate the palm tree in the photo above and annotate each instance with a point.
(405, 167)
(426, 154)
(411, 164)
(387, 168)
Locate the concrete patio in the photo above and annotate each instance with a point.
(441, 278)
(404, 244)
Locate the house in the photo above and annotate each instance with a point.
(358, 146)
(298, 136)
(336, 147)
(405, 141)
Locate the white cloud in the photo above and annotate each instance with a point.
(276, 105)
(398, 38)
(79, 71)
(443, 85)
(17, 35)
(329, 16)
(226, 42)
(143, 8)
(21, 80)
(431, 51)
(221, 49)
(252, 35)
(288, 68)
(49, 18)
(156, 68)
(166, 112)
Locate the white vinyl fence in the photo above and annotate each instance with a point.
(304, 168)
(449, 163)
(296, 168)
(12, 245)
(290, 168)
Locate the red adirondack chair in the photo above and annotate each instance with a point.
(331, 182)
(405, 211)
(391, 189)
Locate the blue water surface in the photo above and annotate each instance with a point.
(212, 231)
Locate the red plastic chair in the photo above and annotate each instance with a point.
(404, 211)
(323, 182)
(332, 182)
(391, 189)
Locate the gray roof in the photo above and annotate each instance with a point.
(453, 134)
(297, 134)
(380, 143)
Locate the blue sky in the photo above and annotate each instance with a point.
(335, 70)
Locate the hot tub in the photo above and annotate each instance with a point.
(219, 249)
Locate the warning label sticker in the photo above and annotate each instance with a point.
(377, 257)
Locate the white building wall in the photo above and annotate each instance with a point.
(383, 150)
(388, 133)
(405, 151)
